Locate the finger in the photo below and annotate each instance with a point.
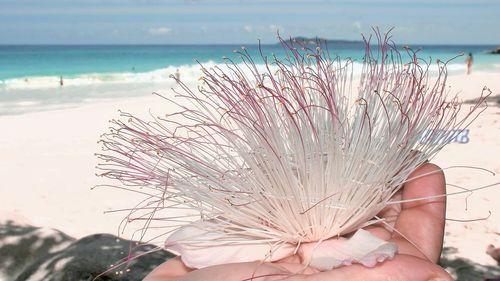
(402, 267)
(421, 222)
(389, 215)
(247, 271)
(175, 270)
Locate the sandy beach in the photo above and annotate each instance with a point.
(47, 166)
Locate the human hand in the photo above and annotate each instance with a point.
(419, 235)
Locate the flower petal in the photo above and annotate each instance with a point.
(199, 247)
(362, 247)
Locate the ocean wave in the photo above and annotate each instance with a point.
(47, 82)
(189, 74)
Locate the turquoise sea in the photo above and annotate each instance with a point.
(30, 75)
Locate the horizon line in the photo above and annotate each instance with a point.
(231, 44)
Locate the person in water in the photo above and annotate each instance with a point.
(177, 76)
(469, 62)
(421, 222)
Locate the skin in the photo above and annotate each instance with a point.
(421, 222)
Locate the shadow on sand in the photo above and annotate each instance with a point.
(465, 269)
(32, 253)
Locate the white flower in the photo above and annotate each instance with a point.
(272, 158)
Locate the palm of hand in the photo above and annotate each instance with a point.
(419, 234)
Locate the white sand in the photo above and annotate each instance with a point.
(47, 170)
(483, 150)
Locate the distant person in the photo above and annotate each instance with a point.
(177, 76)
(469, 62)
(61, 82)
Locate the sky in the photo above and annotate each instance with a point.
(245, 21)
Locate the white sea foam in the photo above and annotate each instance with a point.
(47, 82)
(188, 73)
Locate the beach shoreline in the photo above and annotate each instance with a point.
(48, 168)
